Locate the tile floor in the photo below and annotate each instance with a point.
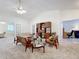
(8, 50)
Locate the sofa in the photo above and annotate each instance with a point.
(2, 34)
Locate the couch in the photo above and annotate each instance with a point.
(2, 34)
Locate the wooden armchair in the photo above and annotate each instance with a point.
(28, 43)
(56, 43)
(53, 41)
(17, 39)
(25, 41)
(47, 35)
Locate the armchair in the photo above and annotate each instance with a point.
(53, 40)
(26, 42)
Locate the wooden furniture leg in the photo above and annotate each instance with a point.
(32, 49)
(43, 49)
(25, 48)
(14, 40)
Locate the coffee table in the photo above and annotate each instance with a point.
(38, 46)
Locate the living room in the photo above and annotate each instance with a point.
(13, 24)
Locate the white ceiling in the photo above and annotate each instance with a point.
(34, 7)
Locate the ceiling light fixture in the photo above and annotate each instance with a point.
(20, 9)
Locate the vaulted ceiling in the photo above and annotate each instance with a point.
(34, 7)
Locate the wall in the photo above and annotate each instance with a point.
(24, 25)
(56, 17)
(14, 20)
(2, 28)
(71, 14)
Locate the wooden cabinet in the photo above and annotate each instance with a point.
(43, 28)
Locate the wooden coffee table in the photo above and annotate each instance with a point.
(37, 47)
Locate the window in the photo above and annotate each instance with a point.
(10, 27)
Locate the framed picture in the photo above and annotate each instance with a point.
(71, 29)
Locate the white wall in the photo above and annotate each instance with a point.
(56, 17)
(2, 28)
(24, 25)
(69, 14)
(14, 20)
